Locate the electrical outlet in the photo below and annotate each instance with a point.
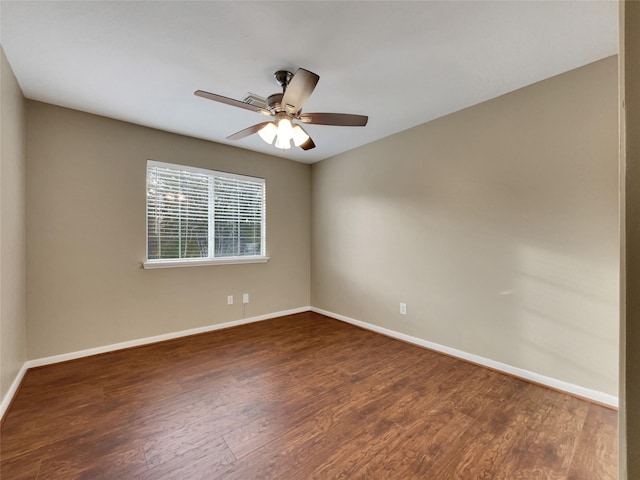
(229, 299)
(245, 298)
(403, 309)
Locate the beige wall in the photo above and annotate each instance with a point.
(13, 347)
(86, 235)
(630, 344)
(497, 225)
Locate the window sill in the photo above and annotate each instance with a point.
(167, 263)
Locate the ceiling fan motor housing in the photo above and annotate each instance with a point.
(274, 102)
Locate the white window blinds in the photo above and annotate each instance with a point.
(238, 214)
(194, 214)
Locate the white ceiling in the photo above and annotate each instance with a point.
(400, 63)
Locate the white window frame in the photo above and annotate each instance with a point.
(210, 260)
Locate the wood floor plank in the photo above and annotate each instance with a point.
(317, 428)
(172, 457)
(504, 422)
(123, 464)
(596, 448)
(296, 397)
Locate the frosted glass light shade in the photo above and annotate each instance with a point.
(268, 132)
(299, 136)
(285, 130)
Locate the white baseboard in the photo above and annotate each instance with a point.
(39, 362)
(577, 390)
(158, 338)
(6, 401)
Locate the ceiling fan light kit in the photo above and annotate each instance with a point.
(286, 107)
(283, 131)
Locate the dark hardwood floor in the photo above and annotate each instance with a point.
(298, 397)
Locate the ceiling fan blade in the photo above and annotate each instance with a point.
(337, 119)
(308, 145)
(247, 131)
(228, 101)
(298, 90)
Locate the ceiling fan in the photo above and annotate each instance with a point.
(286, 108)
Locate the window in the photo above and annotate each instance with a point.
(202, 217)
